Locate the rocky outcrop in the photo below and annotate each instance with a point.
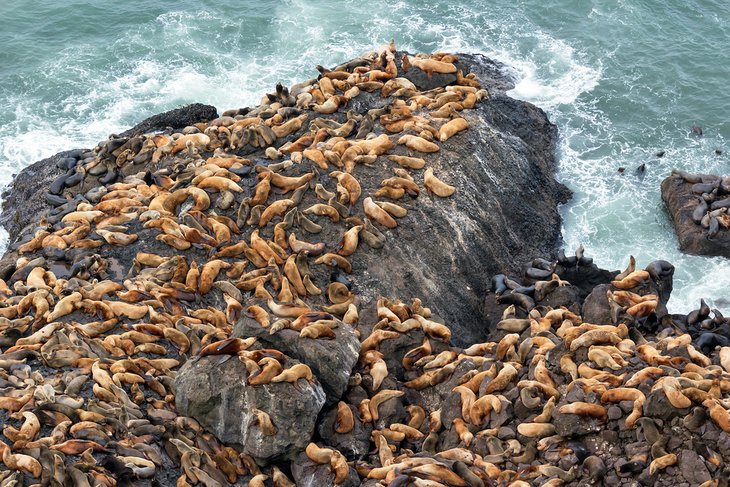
(173, 120)
(698, 205)
(331, 361)
(214, 391)
(179, 277)
(505, 206)
(505, 209)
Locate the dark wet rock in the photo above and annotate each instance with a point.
(355, 444)
(330, 360)
(595, 307)
(586, 278)
(662, 273)
(681, 202)
(308, 474)
(213, 391)
(562, 296)
(506, 433)
(495, 77)
(658, 406)
(693, 467)
(424, 82)
(176, 119)
(614, 413)
(571, 425)
(497, 419)
(391, 411)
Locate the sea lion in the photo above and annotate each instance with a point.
(376, 213)
(436, 186)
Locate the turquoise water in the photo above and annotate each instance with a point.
(622, 81)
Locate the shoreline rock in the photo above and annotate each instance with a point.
(698, 205)
(239, 301)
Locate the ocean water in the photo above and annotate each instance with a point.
(622, 80)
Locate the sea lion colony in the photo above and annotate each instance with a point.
(220, 221)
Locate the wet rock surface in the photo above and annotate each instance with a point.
(175, 119)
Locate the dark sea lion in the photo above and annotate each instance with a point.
(54, 200)
(66, 163)
(75, 178)
(640, 171)
(699, 212)
(535, 273)
(58, 184)
(708, 341)
(571, 261)
(521, 300)
(498, 285)
(111, 176)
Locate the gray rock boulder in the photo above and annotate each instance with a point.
(693, 467)
(309, 474)
(596, 308)
(658, 406)
(213, 391)
(355, 444)
(330, 360)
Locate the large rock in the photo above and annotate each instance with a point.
(504, 208)
(330, 360)
(213, 391)
(354, 444)
(176, 119)
(596, 308)
(306, 473)
(693, 467)
(681, 202)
